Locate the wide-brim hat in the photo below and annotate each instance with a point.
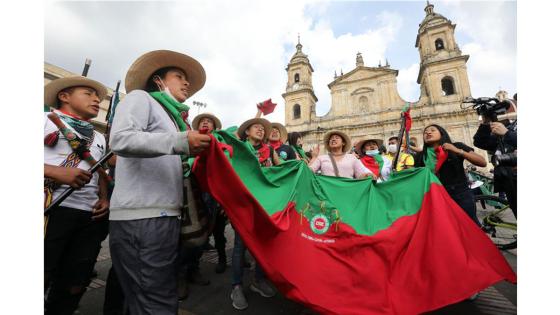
(143, 67)
(344, 136)
(198, 118)
(283, 131)
(55, 86)
(245, 125)
(358, 147)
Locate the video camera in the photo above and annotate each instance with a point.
(488, 107)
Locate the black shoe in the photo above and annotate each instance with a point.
(221, 267)
(196, 278)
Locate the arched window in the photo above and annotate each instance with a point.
(439, 44)
(447, 86)
(297, 111)
(296, 78)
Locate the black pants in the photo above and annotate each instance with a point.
(219, 236)
(464, 197)
(72, 243)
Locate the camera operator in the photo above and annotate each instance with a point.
(499, 138)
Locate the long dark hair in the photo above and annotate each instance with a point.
(292, 138)
(445, 138)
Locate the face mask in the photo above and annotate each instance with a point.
(166, 89)
(392, 148)
(372, 152)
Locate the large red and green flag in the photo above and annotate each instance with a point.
(343, 246)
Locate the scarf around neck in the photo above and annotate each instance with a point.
(435, 158)
(261, 151)
(374, 164)
(275, 144)
(83, 127)
(178, 111)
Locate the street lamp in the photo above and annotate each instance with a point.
(199, 105)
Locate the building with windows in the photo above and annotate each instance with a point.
(365, 102)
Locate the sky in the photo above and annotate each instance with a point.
(245, 45)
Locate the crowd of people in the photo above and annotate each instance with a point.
(154, 142)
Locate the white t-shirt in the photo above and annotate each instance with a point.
(86, 197)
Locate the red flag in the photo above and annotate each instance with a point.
(266, 107)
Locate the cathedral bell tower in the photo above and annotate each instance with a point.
(443, 71)
(299, 97)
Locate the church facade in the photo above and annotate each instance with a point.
(365, 102)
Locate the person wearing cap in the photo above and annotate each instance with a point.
(75, 229)
(277, 139)
(368, 150)
(253, 132)
(406, 160)
(295, 140)
(153, 140)
(337, 162)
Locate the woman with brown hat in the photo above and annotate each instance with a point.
(277, 139)
(152, 139)
(372, 159)
(337, 162)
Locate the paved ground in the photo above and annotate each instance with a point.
(214, 299)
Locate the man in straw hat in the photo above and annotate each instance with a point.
(253, 132)
(337, 162)
(277, 139)
(152, 138)
(372, 159)
(75, 228)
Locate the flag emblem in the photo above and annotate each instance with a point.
(320, 224)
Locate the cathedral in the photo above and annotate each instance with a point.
(365, 102)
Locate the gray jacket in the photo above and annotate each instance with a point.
(148, 174)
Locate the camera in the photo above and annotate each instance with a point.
(488, 106)
(507, 159)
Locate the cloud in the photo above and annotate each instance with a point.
(245, 46)
(491, 32)
(329, 53)
(408, 89)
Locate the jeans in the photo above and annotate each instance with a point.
(237, 262)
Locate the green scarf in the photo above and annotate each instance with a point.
(179, 112)
(430, 159)
(299, 150)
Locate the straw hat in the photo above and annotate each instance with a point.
(198, 118)
(283, 131)
(55, 86)
(143, 67)
(244, 126)
(361, 143)
(344, 136)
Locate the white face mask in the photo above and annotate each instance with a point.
(392, 148)
(166, 89)
(372, 152)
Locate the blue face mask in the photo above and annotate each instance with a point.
(372, 152)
